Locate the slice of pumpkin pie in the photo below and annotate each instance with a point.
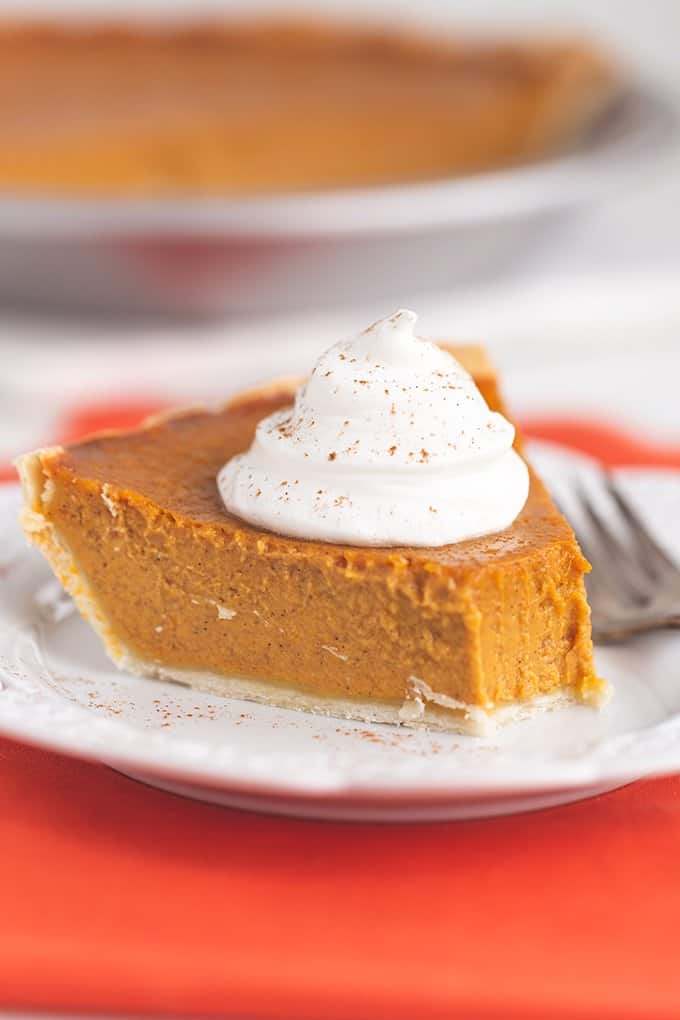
(370, 545)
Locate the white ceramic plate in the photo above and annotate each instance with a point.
(58, 690)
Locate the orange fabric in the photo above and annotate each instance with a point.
(611, 445)
(117, 898)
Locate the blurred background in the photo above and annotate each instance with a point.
(552, 239)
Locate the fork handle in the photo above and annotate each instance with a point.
(614, 633)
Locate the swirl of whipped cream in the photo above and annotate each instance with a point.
(389, 443)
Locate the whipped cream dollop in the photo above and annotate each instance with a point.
(389, 443)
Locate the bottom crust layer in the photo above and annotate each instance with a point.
(422, 711)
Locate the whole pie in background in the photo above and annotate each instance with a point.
(237, 108)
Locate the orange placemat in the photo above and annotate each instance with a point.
(115, 897)
(118, 898)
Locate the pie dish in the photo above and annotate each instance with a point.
(263, 107)
(452, 637)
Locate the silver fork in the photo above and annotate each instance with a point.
(634, 585)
